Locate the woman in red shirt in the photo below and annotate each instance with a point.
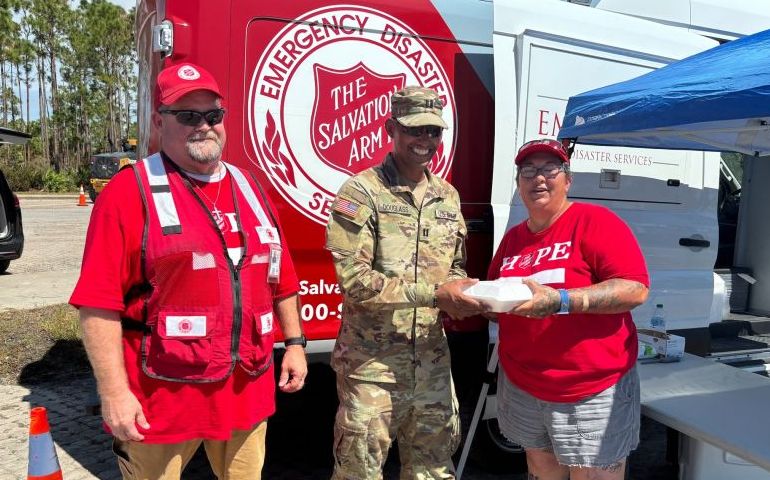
(568, 391)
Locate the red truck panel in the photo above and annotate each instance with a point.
(307, 88)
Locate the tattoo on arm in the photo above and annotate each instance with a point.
(548, 304)
(610, 296)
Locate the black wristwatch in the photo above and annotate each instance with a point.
(301, 340)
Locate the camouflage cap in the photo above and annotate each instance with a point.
(417, 106)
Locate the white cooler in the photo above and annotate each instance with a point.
(699, 460)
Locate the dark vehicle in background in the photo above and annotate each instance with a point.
(105, 165)
(11, 233)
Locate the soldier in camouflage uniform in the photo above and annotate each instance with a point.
(398, 241)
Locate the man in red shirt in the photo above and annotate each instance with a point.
(568, 391)
(185, 267)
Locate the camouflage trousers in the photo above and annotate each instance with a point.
(421, 415)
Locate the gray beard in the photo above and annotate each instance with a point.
(204, 152)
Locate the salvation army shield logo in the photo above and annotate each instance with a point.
(185, 326)
(347, 123)
(320, 94)
(188, 72)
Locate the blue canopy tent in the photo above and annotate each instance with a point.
(717, 100)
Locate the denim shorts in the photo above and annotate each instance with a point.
(594, 432)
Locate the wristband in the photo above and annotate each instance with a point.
(301, 340)
(564, 302)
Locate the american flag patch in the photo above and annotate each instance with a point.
(346, 207)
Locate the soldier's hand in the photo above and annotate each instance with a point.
(454, 302)
(545, 301)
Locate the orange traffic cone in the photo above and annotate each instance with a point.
(82, 198)
(43, 462)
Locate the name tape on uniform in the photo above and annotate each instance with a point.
(445, 215)
(393, 208)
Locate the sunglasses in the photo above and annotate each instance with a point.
(549, 170)
(192, 118)
(431, 130)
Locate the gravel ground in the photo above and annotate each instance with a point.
(54, 234)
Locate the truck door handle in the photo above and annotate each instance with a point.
(694, 242)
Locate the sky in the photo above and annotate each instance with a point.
(33, 102)
(124, 3)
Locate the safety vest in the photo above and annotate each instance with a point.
(202, 314)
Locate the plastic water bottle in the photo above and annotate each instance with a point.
(658, 320)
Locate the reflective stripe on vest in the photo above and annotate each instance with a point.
(248, 193)
(164, 202)
(161, 195)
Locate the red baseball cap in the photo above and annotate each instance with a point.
(176, 81)
(543, 145)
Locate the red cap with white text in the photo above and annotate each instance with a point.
(544, 145)
(176, 81)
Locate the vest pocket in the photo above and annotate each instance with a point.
(180, 345)
(256, 345)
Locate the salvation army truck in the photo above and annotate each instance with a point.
(307, 87)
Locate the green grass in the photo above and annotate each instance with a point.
(61, 323)
(40, 344)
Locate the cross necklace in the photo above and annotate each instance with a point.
(215, 212)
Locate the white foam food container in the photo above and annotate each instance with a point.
(500, 295)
